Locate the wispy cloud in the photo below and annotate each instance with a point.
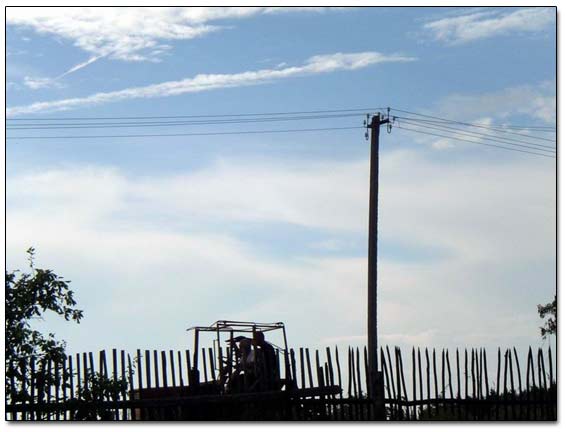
(36, 83)
(203, 82)
(536, 101)
(524, 104)
(132, 33)
(489, 23)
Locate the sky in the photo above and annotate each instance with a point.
(157, 234)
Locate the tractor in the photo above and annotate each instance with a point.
(241, 360)
(240, 370)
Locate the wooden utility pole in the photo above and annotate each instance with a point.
(375, 124)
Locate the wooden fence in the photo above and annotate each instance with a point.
(465, 392)
(320, 385)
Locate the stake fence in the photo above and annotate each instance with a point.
(163, 385)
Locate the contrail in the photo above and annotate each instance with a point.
(80, 66)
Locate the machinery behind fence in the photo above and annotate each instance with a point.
(319, 385)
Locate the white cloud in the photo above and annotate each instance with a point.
(130, 33)
(163, 246)
(443, 144)
(203, 82)
(447, 143)
(535, 101)
(36, 83)
(489, 23)
(526, 104)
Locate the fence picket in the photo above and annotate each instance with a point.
(65, 377)
(309, 369)
(139, 371)
(147, 369)
(414, 382)
(505, 392)
(386, 373)
(443, 387)
(518, 370)
(485, 373)
(402, 374)
(330, 366)
(293, 367)
(204, 367)
(302, 366)
(115, 377)
(511, 381)
(188, 363)
(459, 383)
(528, 382)
(358, 376)
(212, 364)
(351, 384)
(123, 377)
(180, 363)
(508, 395)
(79, 370)
(339, 380)
(420, 373)
(172, 361)
(393, 382)
(85, 372)
(543, 387)
(56, 368)
(156, 368)
(541, 356)
(429, 407)
(479, 369)
(473, 368)
(466, 373)
(450, 382)
(164, 368)
(71, 378)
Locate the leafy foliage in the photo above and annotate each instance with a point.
(27, 297)
(544, 311)
(99, 388)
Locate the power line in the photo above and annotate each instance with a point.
(538, 128)
(187, 134)
(547, 129)
(199, 115)
(507, 141)
(471, 124)
(48, 126)
(473, 142)
(475, 124)
(492, 129)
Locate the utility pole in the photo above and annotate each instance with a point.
(375, 389)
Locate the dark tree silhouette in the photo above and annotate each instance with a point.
(28, 296)
(548, 311)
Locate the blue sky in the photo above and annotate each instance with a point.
(157, 234)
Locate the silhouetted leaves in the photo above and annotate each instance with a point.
(548, 310)
(27, 297)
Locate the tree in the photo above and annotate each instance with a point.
(544, 311)
(99, 388)
(28, 296)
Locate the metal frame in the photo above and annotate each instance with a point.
(241, 326)
(229, 326)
